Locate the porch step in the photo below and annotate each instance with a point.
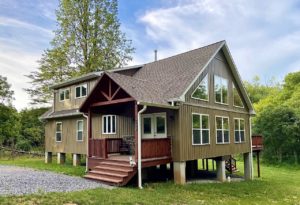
(115, 163)
(113, 180)
(112, 171)
(108, 173)
(115, 168)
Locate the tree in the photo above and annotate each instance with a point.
(6, 94)
(88, 39)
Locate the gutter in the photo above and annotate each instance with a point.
(87, 142)
(140, 146)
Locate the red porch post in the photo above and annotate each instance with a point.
(136, 131)
(90, 148)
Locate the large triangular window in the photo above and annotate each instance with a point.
(201, 92)
(237, 100)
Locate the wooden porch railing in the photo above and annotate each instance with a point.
(102, 147)
(155, 148)
(257, 142)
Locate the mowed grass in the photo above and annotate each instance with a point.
(278, 185)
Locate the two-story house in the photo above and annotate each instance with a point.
(175, 110)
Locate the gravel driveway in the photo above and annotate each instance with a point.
(18, 181)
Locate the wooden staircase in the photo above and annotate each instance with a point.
(112, 172)
(230, 165)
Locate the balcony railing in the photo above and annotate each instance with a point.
(257, 142)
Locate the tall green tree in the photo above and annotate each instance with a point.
(88, 38)
(6, 94)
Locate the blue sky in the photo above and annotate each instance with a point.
(263, 36)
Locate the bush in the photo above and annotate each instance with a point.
(23, 145)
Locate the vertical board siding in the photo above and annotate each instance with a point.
(69, 143)
(191, 152)
(72, 103)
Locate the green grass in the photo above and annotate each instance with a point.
(278, 185)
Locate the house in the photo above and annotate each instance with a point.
(175, 110)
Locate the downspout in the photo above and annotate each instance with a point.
(140, 146)
(251, 151)
(87, 142)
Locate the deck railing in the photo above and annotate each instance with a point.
(257, 142)
(156, 148)
(102, 147)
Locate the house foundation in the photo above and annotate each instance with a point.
(48, 157)
(221, 176)
(76, 159)
(179, 172)
(61, 158)
(248, 166)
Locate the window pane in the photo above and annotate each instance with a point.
(236, 124)
(224, 90)
(219, 136)
(242, 136)
(196, 137)
(113, 124)
(226, 136)
(109, 124)
(58, 127)
(147, 125)
(104, 124)
(67, 94)
(237, 101)
(79, 135)
(225, 124)
(242, 126)
(205, 123)
(205, 136)
(236, 136)
(160, 125)
(217, 88)
(77, 92)
(80, 125)
(58, 136)
(61, 96)
(219, 122)
(196, 121)
(202, 91)
(83, 90)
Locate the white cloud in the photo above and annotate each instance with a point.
(262, 35)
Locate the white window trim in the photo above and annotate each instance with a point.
(239, 130)
(58, 132)
(233, 87)
(222, 130)
(111, 117)
(206, 100)
(79, 131)
(221, 91)
(79, 86)
(64, 91)
(200, 129)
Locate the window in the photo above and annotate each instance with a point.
(221, 90)
(200, 129)
(237, 101)
(79, 126)
(81, 91)
(109, 124)
(239, 130)
(58, 133)
(201, 92)
(222, 130)
(64, 94)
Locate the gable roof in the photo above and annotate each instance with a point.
(164, 81)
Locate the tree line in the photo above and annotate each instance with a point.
(277, 107)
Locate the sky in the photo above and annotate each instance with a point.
(263, 36)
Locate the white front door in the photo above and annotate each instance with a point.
(154, 125)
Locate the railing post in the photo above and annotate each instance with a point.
(105, 148)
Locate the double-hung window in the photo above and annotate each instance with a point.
(64, 94)
(239, 130)
(58, 132)
(79, 132)
(222, 130)
(221, 90)
(81, 91)
(109, 124)
(200, 129)
(201, 92)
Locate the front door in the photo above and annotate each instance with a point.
(154, 125)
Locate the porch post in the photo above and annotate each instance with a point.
(89, 131)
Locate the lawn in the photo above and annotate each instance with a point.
(278, 185)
